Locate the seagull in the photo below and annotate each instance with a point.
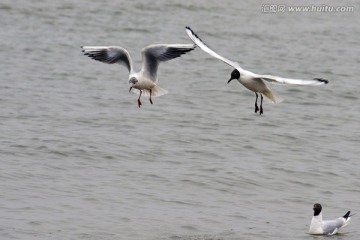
(145, 81)
(328, 227)
(252, 81)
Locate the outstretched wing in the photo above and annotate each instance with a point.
(274, 79)
(109, 54)
(281, 80)
(154, 54)
(197, 40)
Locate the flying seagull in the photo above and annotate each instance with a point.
(252, 81)
(327, 227)
(145, 81)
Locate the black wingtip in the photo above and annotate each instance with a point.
(192, 32)
(346, 216)
(188, 28)
(322, 80)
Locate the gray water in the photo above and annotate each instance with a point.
(80, 160)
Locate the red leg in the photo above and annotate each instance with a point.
(139, 102)
(150, 97)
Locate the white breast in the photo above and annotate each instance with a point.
(145, 84)
(255, 85)
(316, 225)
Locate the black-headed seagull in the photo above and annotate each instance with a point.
(145, 81)
(252, 81)
(318, 226)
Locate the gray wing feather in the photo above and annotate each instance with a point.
(110, 55)
(281, 80)
(332, 226)
(199, 42)
(154, 54)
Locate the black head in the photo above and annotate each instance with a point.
(317, 209)
(132, 82)
(235, 74)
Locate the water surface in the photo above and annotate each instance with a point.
(79, 160)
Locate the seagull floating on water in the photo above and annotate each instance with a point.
(145, 81)
(252, 81)
(328, 227)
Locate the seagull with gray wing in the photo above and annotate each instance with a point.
(252, 81)
(145, 81)
(318, 226)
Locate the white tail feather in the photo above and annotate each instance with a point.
(155, 91)
(272, 96)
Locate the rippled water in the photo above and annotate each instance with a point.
(79, 160)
